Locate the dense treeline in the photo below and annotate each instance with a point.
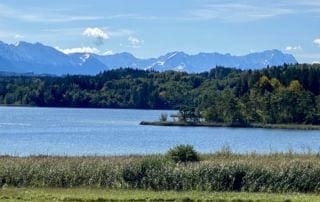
(284, 94)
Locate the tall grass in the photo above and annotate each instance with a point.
(221, 171)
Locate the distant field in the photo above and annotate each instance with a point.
(100, 195)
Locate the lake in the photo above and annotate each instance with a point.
(71, 131)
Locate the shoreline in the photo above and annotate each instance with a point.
(83, 107)
(228, 125)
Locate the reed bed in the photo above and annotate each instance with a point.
(221, 171)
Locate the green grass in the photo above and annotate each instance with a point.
(99, 195)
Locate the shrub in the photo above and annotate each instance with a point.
(183, 154)
(145, 174)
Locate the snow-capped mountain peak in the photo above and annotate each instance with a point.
(38, 58)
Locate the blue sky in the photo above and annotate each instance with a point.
(149, 28)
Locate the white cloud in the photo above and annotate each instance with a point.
(95, 32)
(120, 32)
(251, 10)
(293, 48)
(227, 11)
(317, 41)
(98, 34)
(315, 62)
(135, 42)
(238, 12)
(78, 50)
(311, 3)
(18, 36)
(34, 14)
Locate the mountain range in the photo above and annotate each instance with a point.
(37, 58)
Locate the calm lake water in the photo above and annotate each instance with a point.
(67, 131)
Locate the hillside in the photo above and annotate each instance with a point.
(283, 94)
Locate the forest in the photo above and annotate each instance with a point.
(273, 95)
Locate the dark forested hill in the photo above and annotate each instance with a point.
(284, 94)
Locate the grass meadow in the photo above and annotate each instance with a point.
(107, 195)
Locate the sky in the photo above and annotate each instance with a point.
(150, 28)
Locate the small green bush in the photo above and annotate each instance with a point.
(144, 174)
(183, 154)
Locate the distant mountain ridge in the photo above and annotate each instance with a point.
(41, 59)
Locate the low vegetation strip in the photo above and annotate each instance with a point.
(101, 195)
(212, 124)
(221, 171)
